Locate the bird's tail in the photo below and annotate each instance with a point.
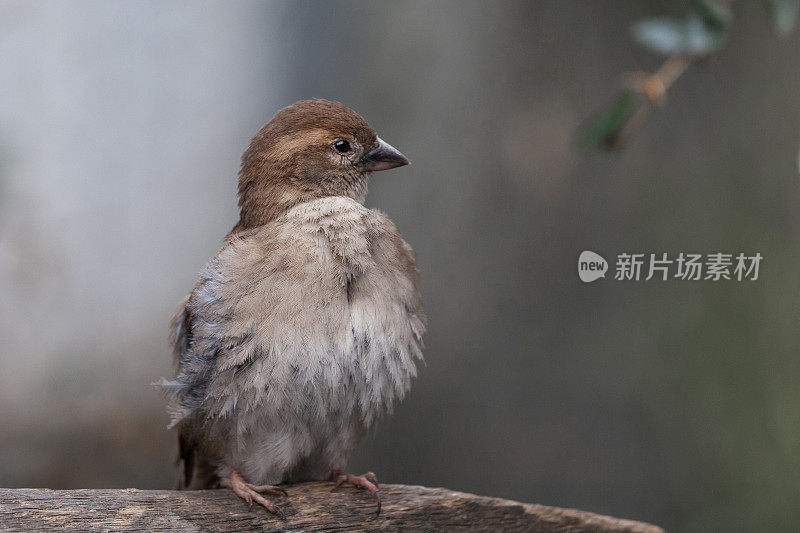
(196, 472)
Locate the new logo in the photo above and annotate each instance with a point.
(591, 266)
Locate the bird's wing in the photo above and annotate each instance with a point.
(179, 331)
(210, 329)
(179, 328)
(204, 331)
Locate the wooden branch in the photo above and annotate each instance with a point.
(309, 507)
(654, 89)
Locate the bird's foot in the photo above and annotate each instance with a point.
(252, 493)
(366, 481)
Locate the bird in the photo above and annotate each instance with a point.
(306, 327)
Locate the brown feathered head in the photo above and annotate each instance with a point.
(310, 149)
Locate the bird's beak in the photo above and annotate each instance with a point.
(384, 157)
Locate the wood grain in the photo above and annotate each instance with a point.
(309, 507)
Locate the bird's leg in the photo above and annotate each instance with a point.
(249, 492)
(366, 481)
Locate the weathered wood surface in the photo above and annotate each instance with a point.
(309, 507)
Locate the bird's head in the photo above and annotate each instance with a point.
(310, 149)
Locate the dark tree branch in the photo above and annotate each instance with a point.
(309, 507)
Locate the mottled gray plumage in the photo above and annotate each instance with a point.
(305, 327)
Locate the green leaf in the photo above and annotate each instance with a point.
(784, 14)
(662, 35)
(700, 34)
(716, 14)
(702, 39)
(603, 129)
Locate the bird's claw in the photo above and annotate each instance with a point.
(269, 489)
(250, 493)
(366, 481)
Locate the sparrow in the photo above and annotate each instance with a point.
(305, 328)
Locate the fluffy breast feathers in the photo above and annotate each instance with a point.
(316, 312)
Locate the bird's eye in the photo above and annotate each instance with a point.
(342, 146)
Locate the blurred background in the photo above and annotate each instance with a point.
(121, 128)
